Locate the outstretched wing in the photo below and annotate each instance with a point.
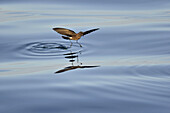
(64, 31)
(89, 31)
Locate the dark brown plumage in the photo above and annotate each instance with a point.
(71, 35)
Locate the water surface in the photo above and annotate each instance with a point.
(121, 68)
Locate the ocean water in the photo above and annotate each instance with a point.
(124, 67)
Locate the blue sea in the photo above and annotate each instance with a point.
(124, 67)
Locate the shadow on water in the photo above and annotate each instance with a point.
(74, 56)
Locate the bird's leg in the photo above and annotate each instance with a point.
(78, 43)
(71, 43)
(77, 58)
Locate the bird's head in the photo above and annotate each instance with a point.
(81, 33)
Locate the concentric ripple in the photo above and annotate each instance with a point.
(44, 49)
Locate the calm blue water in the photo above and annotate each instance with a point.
(122, 68)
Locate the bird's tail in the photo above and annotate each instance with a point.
(67, 38)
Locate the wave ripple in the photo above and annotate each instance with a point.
(44, 49)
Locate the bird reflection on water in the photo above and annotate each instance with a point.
(72, 56)
(71, 35)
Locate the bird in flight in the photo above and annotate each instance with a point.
(71, 35)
